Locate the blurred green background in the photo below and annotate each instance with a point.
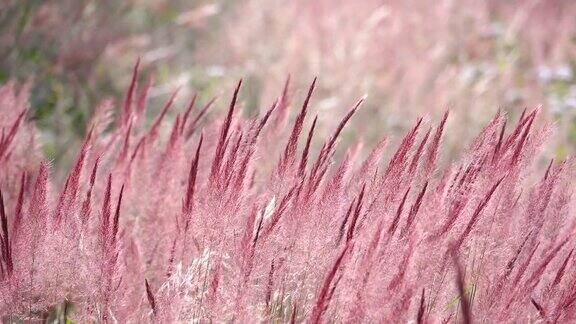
(73, 54)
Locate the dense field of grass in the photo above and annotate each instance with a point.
(378, 161)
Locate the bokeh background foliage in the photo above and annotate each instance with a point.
(73, 54)
(411, 58)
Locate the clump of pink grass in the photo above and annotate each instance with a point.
(245, 220)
